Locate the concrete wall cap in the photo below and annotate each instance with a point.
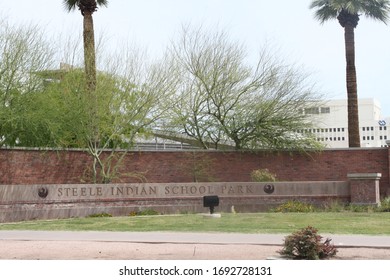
(366, 176)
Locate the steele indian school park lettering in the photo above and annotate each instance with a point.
(145, 191)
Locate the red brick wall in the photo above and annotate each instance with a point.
(18, 166)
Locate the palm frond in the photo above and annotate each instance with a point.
(325, 10)
(353, 7)
(102, 2)
(70, 5)
(377, 9)
(329, 9)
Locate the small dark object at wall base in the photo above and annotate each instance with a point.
(211, 201)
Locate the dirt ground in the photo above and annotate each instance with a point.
(98, 250)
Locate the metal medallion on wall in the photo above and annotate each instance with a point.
(43, 192)
(269, 188)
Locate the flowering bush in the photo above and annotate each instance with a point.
(306, 244)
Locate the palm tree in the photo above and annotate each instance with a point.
(87, 8)
(347, 12)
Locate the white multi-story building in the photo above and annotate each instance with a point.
(331, 123)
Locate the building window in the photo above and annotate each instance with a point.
(372, 137)
(312, 111)
(364, 137)
(343, 138)
(364, 129)
(325, 110)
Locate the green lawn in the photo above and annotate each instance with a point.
(325, 222)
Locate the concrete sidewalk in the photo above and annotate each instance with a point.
(187, 238)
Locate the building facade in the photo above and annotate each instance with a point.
(331, 123)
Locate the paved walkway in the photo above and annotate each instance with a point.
(31, 245)
(187, 238)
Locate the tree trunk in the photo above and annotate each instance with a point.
(90, 78)
(89, 53)
(353, 111)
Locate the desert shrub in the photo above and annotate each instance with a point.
(146, 212)
(263, 175)
(306, 244)
(294, 206)
(99, 215)
(359, 208)
(334, 206)
(385, 205)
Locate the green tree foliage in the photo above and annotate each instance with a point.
(128, 106)
(202, 87)
(41, 107)
(223, 100)
(24, 50)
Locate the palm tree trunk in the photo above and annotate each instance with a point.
(90, 87)
(353, 111)
(89, 53)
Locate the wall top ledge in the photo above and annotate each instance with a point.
(364, 176)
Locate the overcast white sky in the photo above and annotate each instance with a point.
(288, 24)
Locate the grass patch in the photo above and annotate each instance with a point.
(328, 222)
